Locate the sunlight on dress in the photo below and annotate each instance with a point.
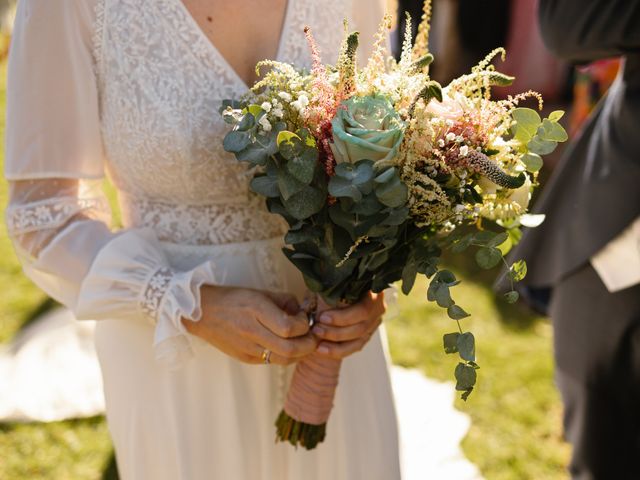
(50, 372)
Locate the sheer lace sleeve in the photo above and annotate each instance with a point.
(58, 217)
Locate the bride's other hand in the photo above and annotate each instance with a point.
(343, 332)
(243, 323)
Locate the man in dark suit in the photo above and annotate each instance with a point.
(584, 260)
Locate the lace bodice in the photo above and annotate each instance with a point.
(133, 88)
(161, 85)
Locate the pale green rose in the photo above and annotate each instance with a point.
(366, 128)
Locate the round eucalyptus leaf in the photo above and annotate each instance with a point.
(450, 342)
(266, 186)
(236, 141)
(488, 257)
(467, 347)
(466, 377)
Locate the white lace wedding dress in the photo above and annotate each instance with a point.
(133, 87)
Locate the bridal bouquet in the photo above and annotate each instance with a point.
(377, 171)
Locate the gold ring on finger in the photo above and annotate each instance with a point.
(266, 356)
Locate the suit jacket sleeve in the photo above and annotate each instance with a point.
(587, 30)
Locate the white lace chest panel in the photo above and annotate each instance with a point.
(161, 85)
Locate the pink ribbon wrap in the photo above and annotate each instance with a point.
(313, 386)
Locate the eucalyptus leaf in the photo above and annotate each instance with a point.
(488, 257)
(266, 186)
(236, 141)
(385, 176)
(285, 136)
(467, 347)
(446, 277)
(511, 297)
(532, 161)
(288, 184)
(552, 131)
(527, 119)
(518, 271)
(303, 165)
(254, 154)
(248, 122)
(466, 377)
(498, 239)
(466, 394)
(442, 295)
(369, 205)
(305, 203)
(341, 187)
(462, 244)
(450, 342)
(393, 193)
(484, 237)
(409, 273)
(556, 115)
(456, 313)
(541, 146)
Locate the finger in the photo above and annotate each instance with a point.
(273, 357)
(340, 334)
(341, 350)
(240, 349)
(372, 306)
(280, 322)
(285, 347)
(346, 334)
(285, 301)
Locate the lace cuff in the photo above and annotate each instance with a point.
(131, 278)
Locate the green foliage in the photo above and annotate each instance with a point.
(390, 190)
(488, 257)
(532, 161)
(537, 136)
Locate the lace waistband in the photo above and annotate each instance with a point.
(214, 224)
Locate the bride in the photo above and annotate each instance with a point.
(193, 294)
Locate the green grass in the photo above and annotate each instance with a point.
(515, 409)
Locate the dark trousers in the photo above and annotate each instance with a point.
(597, 352)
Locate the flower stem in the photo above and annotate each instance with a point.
(298, 433)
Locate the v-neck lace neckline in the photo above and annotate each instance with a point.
(284, 32)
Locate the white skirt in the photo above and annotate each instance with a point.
(214, 418)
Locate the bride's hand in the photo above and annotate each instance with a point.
(343, 332)
(243, 323)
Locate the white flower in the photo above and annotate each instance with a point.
(303, 99)
(522, 196)
(278, 112)
(441, 143)
(266, 106)
(450, 137)
(285, 96)
(264, 123)
(459, 139)
(464, 151)
(459, 208)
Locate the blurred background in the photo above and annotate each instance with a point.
(515, 411)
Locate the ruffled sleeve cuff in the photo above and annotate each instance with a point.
(131, 278)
